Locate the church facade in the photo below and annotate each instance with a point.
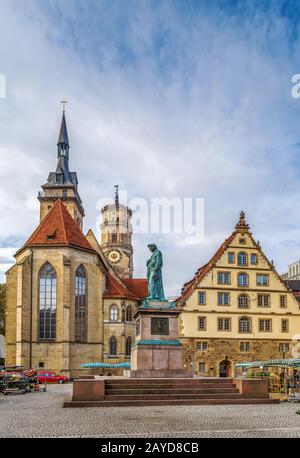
(70, 297)
(236, 309)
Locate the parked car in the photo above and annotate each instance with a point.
(51, 377)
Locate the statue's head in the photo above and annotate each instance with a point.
(152, 247)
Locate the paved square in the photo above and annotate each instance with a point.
(42, 415)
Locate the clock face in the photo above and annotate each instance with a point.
(114, 256)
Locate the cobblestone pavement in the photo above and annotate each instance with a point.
(42, 415)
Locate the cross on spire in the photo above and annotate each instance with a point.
(64, 102)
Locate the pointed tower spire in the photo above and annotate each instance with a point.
(62, 170)
(242, 222)
(63, 133)
(62, 183)
(116, 194)
(63, 139)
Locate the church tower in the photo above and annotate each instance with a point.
(62, 183)
(116, 237)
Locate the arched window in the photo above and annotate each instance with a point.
(244, 324)
(128, 346)
(243, 279)
(80, 305)
(242, 259)
(47, 303)
(128, 313)
(243, 301)
(113, 313)
(113, 346)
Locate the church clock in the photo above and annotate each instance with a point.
(116, 237)
(114, 256)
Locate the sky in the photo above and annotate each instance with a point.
(179, 98)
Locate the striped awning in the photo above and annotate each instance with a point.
(291, 362)
(251, 364)
(106, 365)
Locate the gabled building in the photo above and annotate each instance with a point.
(66, 303)
(237, 308)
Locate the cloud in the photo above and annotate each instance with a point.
(164, 100)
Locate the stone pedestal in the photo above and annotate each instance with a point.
(157, 352)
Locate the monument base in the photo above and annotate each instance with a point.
(157, 352)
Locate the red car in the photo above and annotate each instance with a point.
(51, 377)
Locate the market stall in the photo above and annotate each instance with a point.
(283, 375)
(19, 381)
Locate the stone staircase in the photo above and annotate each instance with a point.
(158, 392)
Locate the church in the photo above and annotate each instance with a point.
(70, 295)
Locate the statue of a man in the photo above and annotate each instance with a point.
(154, 275)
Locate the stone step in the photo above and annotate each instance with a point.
(149, 397)
(173, 381)
(167, 386)
(112, 391)
(170, 402)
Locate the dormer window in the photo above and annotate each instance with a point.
(51, 236)
(59, 178)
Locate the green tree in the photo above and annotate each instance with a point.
(2, 307)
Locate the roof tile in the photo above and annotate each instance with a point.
(59, 228)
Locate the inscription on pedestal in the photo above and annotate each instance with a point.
(160, 326)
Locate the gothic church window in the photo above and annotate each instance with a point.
(128, 346)
(47, 302)
(112, 346)
(113, 313)
(80, 305)
(128, 313)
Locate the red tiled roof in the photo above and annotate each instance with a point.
(116, 289)
(139, 286)
(59, 228)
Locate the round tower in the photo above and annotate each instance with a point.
(116, 237)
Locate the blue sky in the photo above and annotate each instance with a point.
(168, 99)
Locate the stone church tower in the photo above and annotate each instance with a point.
(66, 304)
(62, 183)
(116, 237)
